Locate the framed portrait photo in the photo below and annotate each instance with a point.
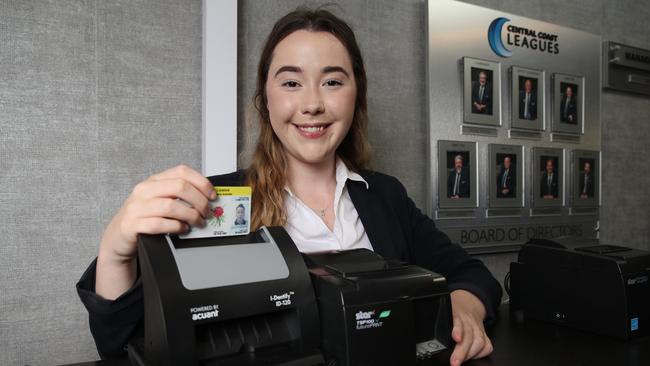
(548, 177)
(457, 174)
(585, 173)
(568, 103)
(506, 171)
(481, 92)
(527, 99)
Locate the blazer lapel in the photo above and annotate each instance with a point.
(375, 217)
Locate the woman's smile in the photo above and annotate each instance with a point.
(312, 130)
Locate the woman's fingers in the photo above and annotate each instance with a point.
(477, 344)
(487, 349)
(201, 183)
(457, 330)
(463, 342)
(172, 209)
(159, 216)
(172, 188)
(159, 225)
(471, 341)
(179, 194)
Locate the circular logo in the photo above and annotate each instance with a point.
(494, 37)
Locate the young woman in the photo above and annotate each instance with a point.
(309, 175)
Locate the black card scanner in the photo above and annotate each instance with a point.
(583, 284)
(226, 301)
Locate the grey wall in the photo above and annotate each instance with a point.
(94, 97)
(97, 95)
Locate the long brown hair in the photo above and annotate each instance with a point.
(267, 172)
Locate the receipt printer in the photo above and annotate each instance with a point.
(255, 300)
(583, 284)
(379, 312)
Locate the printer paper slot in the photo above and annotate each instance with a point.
(351, 269)
(252, 238)
(603, 249)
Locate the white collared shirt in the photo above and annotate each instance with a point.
(309, 231)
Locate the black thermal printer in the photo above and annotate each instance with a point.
(373, 311)
(252, 300)
(583, 284)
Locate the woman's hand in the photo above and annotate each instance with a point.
(468, 331)
(152, 208)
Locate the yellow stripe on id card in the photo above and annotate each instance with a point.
(230, 214)
(233, 191)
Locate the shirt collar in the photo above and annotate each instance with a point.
(342, 175)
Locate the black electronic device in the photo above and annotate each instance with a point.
(583, 284)
(250, 300)
(226, 301)
(379, 312)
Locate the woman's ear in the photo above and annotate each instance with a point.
(265, 100)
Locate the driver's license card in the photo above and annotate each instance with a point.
(230, 214)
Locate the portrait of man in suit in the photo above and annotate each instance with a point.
(586, 183)
(507, 177)
(481, 91)
(458, 182)
(527, 98)
(568, 103)
(549, 180)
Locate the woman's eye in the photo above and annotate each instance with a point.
(290, 84)
(333, 82)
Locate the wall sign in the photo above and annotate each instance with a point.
(626, 68)
(514, 117)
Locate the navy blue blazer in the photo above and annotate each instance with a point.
(568, 113)
(487, 97)
(395, 228)
(511, 183)
(545, 190)
(463, 183)
(532, 105)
